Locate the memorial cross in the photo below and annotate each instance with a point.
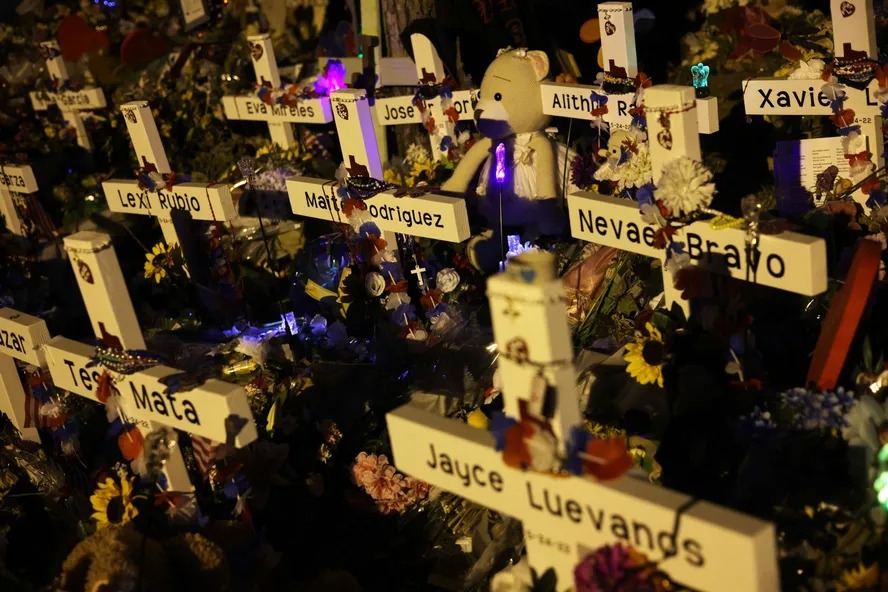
(567, 516)
(69, 102)
(431, 215)
(575, 101)
(854, 37)
(279, 116)
(400, 110)
(21, 338)
(146, 399)
(174, 205)
(15, 181)
(787, 261)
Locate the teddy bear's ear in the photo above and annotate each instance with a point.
(540, 62)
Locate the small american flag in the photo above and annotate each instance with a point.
(40, 392)
(204, 453)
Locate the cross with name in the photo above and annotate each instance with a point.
(430, 216)
(16, 181)
(567, 516)
(146, 398)
(854, 37)
(173, 205)
(400, 110)
(617, 25)
(21, 338)
(279, 116)
(787, 261)
(69, 102)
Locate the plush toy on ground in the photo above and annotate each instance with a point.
(119, 558)
(519, 180)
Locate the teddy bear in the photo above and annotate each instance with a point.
(119, 558)
(519, 168)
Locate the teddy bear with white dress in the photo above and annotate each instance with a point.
(521, 167)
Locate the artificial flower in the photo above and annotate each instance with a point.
(447, 280)
(113, 504)
(374, 283)
(477, 419)
(859, 578)
(808, 70)
(616, 568)
(157, 262)
(392, 491)
(416, 153)
(685, 186)
(646, 357)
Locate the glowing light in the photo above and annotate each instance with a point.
(500, 163)
(333, 78)
(881, 483)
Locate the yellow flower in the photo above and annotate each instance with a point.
(113, 504)
(477, 419)
(157, 262)
(426, 168)
(861, 578)
(646, 357)
(390, 176)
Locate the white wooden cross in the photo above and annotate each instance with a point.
(279, 117)
(429, 216)
(144, 399)
(574, 101)
(787, 261)
(429, 70)
(15, 180)
(21, 336)
(173, 208)
(70, 103)
(566, 517)
(854, 29)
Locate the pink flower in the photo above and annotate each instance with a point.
(392, 491)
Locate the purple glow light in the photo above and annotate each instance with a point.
(500, 163)
(333, 78)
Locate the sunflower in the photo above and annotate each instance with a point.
(157, 262)
(113, 504)
(646, 357)
(860, 578)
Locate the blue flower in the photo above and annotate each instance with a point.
(403, 314)
(876, 198)
(499, 425)
(645, 194)
(579, 437)
(844, 131)
(598, 100)
(446, 143)
(438, 309)
(368, 228)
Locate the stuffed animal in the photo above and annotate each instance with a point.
(119, 558)
(521, 167)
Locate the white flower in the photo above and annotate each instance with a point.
(808, 70)
(417, 335)
(608, 171)
(515, 578)
(677, 262)
(358, 217)
(685, 186)
(446, 322)
(636, 171)
(650, 213)
(417, 153)
(447, 280)
(374, 283)
(543, 450)
(396, 299)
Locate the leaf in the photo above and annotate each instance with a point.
(789, 51)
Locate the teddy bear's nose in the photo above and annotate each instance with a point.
(478, 113)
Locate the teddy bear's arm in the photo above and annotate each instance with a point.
(546, 173)
(467, 167)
